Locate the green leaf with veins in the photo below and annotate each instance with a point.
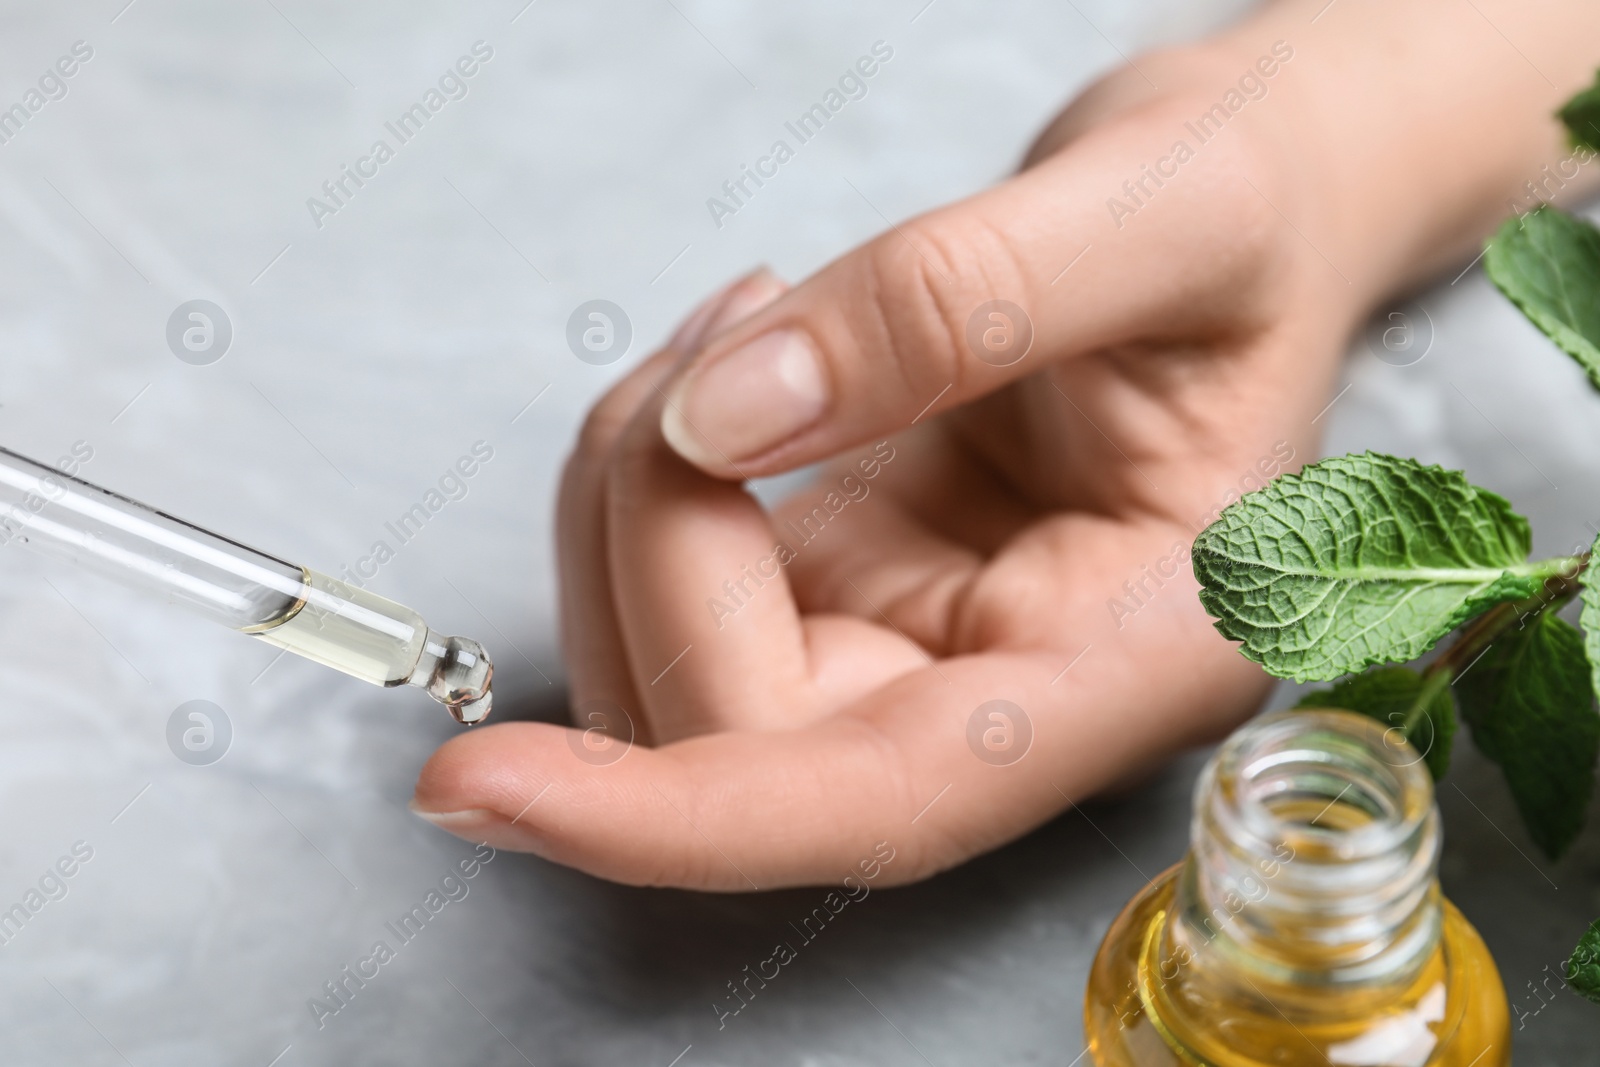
(1583, 968)
(1589, 581)
(1359, 560)
(1548, 263)
(1390, 695)
(1581, 115)
(1531, 709)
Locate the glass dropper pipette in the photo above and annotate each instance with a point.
(293, 607)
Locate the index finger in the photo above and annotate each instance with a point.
(953, 305)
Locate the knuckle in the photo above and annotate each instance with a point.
(1225, 213)
(685, 859)
(927, 279)
(912, 338)
(1241, 203)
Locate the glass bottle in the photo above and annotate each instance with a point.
(1306, 925)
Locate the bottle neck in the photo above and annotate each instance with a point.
(1313, 859)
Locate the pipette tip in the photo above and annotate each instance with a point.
(457, 673)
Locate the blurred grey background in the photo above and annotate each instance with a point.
(428, 314)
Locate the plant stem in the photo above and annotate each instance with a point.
(1560, 587)
(1432, 683)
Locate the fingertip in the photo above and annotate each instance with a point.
(493, 769)
(735, 301)
(747, 296)
(540, 788)
(693, 329)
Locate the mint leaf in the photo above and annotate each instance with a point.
(1583, 969)
(1548, 263)
(1358, 560)
(1529, 703)
(1389, 694)
(1589, 580)
(1582, 117)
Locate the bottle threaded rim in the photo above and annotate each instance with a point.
(1314, 851)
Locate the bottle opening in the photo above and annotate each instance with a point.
(1315, 848)
(1333, 785)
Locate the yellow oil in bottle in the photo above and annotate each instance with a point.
(1306, 924)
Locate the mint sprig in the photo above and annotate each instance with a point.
(1368, 561)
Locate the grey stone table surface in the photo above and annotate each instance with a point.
(375, 344)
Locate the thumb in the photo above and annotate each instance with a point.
(955, 304)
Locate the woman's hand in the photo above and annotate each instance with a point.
(981, 610)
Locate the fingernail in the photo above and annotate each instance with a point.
(747, 402)
(723, 308)
(482, 824)
(455, 821)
